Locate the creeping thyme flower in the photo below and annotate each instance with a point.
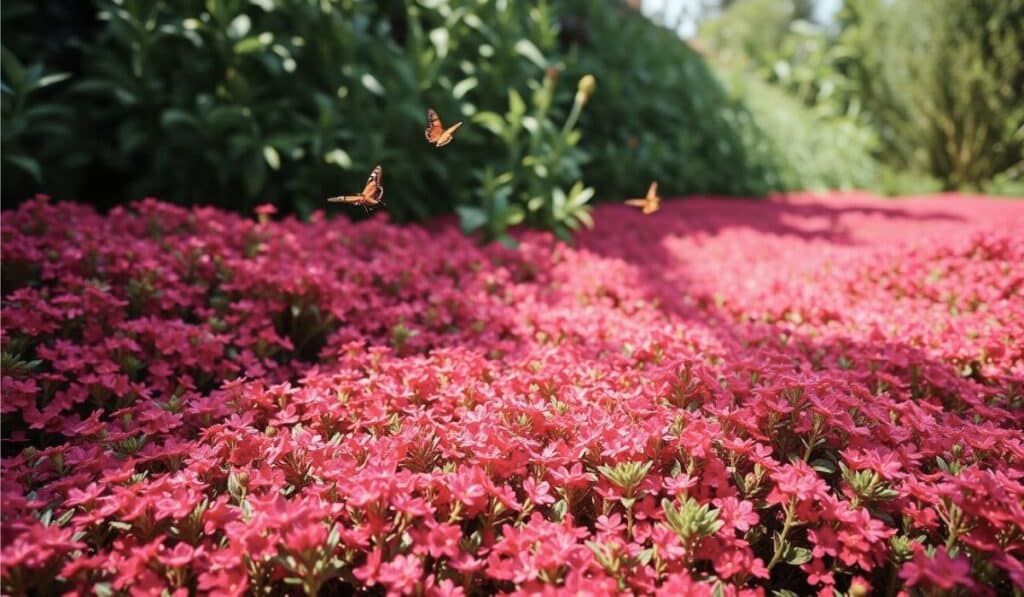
(797, 394)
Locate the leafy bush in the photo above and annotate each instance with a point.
(936, 84)
(37, 130)
(661, 113)
(942, 83)
(238, 102)
(810, 148)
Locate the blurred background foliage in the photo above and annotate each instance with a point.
(242, 102)
(930, 90)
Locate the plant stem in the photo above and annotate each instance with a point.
(574, 115)
(787, 525)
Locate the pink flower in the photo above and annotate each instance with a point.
(369, 572)
(679, 584)
(440, 539)
(938, 571)
(612, 525)
(401, 574)
(736, 514)
(817, 573)
(538, 493)
(571, 477)
(191, 398)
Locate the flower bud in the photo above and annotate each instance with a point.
(585, 88)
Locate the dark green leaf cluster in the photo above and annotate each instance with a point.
(244, 102)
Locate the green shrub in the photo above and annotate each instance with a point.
(938, 83)
(942, 82)
(241, 102)
(36, 129)
(661, 113)
(810, 148)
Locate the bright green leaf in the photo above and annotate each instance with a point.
(272, 157)
(528, 50)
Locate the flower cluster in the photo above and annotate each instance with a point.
(814, 394)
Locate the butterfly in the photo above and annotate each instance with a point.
(651, 203)
(371, 196)
(436, 133)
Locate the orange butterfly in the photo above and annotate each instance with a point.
(436, 133)
(651, 203)
(371, 196)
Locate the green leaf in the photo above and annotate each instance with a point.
(514, 215)
(66, 517)
(509, 242)
(12, 68)
(471, 218)
(797, 555)
(791, 554)
(528, 50)
(439, 37)
(173, 116)
(561, 506)
(823, 466)
(372, 84)
(578, 196)
(645, 556)
(338, 157)
(516, 105)
(239, 26)
(47, 80)
(584, 216)
(224, 117)
(463, 87)
(490, 121)
(249, 45)
(272, 157)
(256, 178)
(27, 164)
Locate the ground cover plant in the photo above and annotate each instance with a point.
(811, 394)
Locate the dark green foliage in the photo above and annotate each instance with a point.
(242, 102)
(660, 113)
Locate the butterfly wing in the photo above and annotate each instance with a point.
(372, 194)
(448, 136)
(434, 127)
(652, 191)
(436, 134)
(354, 199)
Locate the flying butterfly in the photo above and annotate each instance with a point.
(371, 196)
(651, 203)
(436, 134)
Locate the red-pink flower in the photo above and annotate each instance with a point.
(538, 493)
(193, 399)
(938, 571)
(736, 514)
(401, 574)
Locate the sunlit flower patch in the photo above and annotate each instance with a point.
(816, 395)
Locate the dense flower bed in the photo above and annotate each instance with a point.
(724, 398)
